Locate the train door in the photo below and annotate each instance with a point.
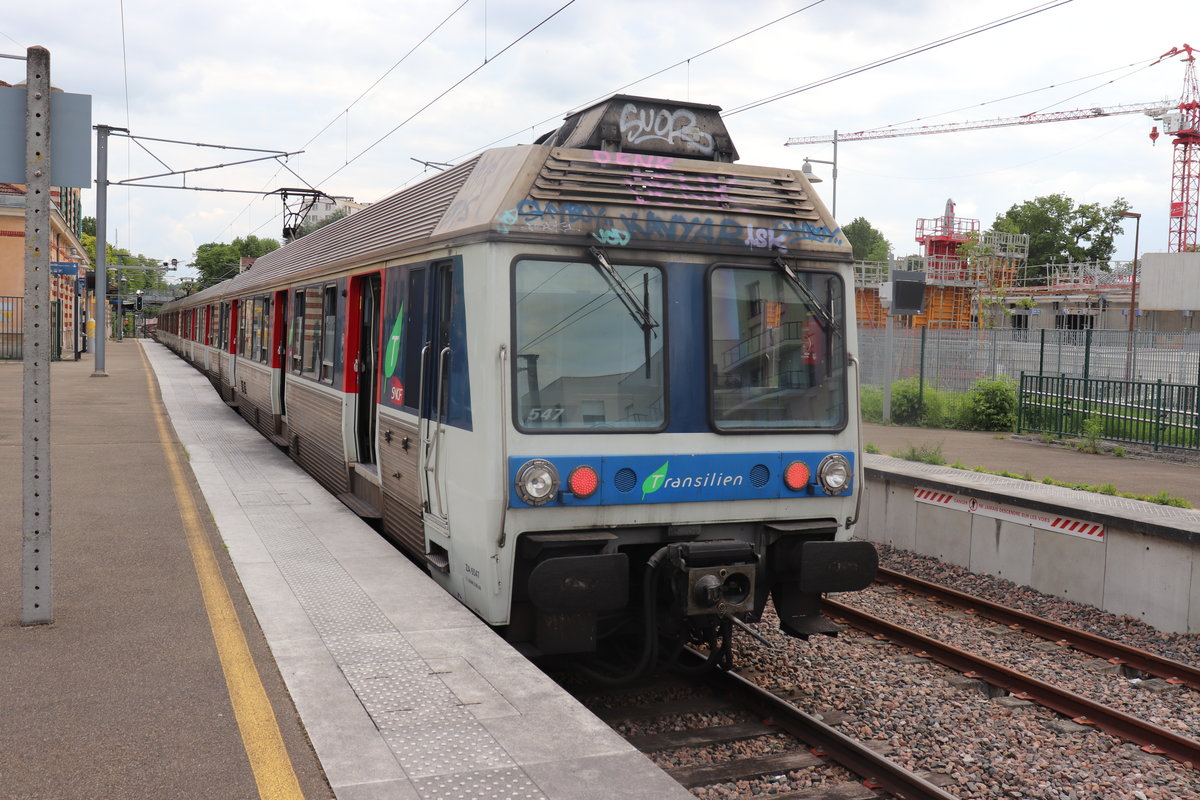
(279, 321)
(436, 286)
(366, 365)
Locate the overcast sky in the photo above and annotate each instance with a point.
(313, 75)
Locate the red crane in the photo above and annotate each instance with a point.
(1181, 121)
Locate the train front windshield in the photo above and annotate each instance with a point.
(591, 343)
(589, 346)
(778, 350)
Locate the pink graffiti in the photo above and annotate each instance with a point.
(678, 187)
(633, 160)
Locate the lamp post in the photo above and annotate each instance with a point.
(812, 178)
(1129, 351)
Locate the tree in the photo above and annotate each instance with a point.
(868, 243)
(1060, 232)
(217, 261)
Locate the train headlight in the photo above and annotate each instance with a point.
(537, 482)
(833, 473)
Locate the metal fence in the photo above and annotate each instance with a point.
(1157, 414)
(953, 360)
(12, 327)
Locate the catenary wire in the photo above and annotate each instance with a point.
(899, 56)
(447, 91)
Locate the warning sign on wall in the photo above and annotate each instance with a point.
(1024, 516)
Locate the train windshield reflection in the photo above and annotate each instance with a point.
(584, 359)
(777, 353)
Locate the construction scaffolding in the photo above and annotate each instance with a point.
(965, 272)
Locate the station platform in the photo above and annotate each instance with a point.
(224, 628)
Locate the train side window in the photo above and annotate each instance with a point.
(263, 350)
(296, 336)
(328, 339)
(414, 336)
(223, 328)
(255, 326)
(244, 322)
(311, 341)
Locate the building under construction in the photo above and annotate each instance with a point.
(979, 279)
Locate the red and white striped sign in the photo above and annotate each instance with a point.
(1025, 516)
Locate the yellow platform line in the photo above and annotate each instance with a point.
(261, 737)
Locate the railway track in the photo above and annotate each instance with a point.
(1152, 738)
(736, 738)
(809, 743)
(1099, 646)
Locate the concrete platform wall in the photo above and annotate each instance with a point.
(1144, 562)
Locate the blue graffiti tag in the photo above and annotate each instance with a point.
(581, 218)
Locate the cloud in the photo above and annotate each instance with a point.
(272, 74)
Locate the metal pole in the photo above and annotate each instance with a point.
(101, 327)
(889, 352)
(835, 174)
(120, 313)
(1129, 347)
(37, 607)
(921, 380)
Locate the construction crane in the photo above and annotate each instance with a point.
(1156, 110)
(1181, 121)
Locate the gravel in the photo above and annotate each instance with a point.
(936, 722)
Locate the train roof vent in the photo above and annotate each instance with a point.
(627, 124)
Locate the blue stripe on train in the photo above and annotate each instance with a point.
(679, 478)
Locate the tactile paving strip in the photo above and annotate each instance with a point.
(436, 740)
(496, 784)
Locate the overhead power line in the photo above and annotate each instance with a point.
(449, 89)
(900, 56)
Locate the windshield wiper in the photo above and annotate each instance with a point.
(810, 299)
(639, 310)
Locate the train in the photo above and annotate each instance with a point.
(602, 386)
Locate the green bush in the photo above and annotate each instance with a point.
(1093, 431)
(870, 401)
(912, 406)
(991, 405)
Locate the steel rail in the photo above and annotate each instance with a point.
(877, 771)
(1113, 651)
(1151, 738)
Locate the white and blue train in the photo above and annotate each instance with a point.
(603, 386)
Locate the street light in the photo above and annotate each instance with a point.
(1137, 231)
(806, 169)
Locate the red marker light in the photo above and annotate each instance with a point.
(583, 482)
(795, 477)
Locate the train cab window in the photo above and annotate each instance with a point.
(777, 349)
(589, 346)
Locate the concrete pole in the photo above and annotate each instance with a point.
(37, 606)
